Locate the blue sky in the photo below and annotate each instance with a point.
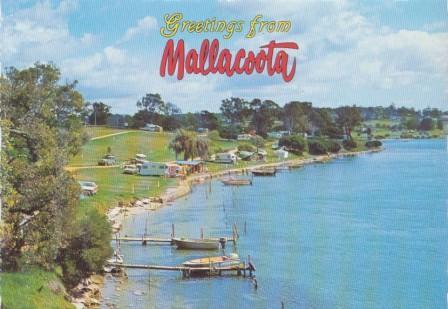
(351, 52)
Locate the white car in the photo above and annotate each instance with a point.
(88, 187)
(130, 169)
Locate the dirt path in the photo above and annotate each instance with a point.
(113, 134)
(75, 168)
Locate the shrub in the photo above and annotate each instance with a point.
(349, 144)
(374, 144)
(294, 143)
(246, 147)
(333, 146)
(88, 246)
(229, 132)
(317, 147)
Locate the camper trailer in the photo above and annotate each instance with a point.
(153, 169)
(225, 157)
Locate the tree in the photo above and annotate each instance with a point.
(296, 116)
(208, 120)
(235, 110)
(43, 129)
(427, 124)
(294, 143)
(257, 141)
(411, 123)
(263, 115)
(151, 106)
(347, 118)
(189, 144)
(99, 112)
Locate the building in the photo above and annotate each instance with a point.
(191, 166)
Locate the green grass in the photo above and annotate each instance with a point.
(114, 186)
(30, 290)
(125, 146)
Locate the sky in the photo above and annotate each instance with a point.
(367, 53)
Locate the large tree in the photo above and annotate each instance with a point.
(98, 113)
(43, 126)
(264, 113)
(235, 110)
(347, 118)
(189, 144)
(296, 116)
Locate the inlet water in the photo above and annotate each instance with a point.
(361, 232)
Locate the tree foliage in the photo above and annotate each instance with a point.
(293, 143)
(189, 144)
(43, 128)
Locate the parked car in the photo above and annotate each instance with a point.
(88, 188)
(108, 160)
(130, 169)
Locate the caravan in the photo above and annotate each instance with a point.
(153, 169)
(225, 157)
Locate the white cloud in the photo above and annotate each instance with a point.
(144, 26)
(41, 33)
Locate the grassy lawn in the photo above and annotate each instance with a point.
(114, 186)
(30, 290)
(125, 146)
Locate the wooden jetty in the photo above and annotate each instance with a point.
(187, 272)
(144, 239)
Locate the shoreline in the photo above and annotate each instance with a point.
(117, 214)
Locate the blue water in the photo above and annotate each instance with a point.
(361, 232)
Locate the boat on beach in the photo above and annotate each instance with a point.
(236, 181)
(214, 261)
(264, 172)
(197, 244)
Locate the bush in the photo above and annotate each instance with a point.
(349, 144)
(294, 143)
(317, 147)
(333, 147)
(230, 132)
(246, 147)
(320, 146)
(88, 247)
(374, 144)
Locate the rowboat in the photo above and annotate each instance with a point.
(196, 244)
(214, 261)
(264, 172)
(236, 181)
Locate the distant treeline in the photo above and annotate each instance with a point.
(239, 116)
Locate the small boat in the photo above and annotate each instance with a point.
(236, 181)
(264, 172)
(214, 261)
(283, 168)
(197, 244)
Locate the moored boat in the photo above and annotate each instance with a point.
(264, 172)
(196, 244)
(214, 261)
(236, 181)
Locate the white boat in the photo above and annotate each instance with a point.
(214, 261)
(196, 244)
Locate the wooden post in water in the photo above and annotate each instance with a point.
(245, 228)
(250, 267)
(172, 230)
(202, 233)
